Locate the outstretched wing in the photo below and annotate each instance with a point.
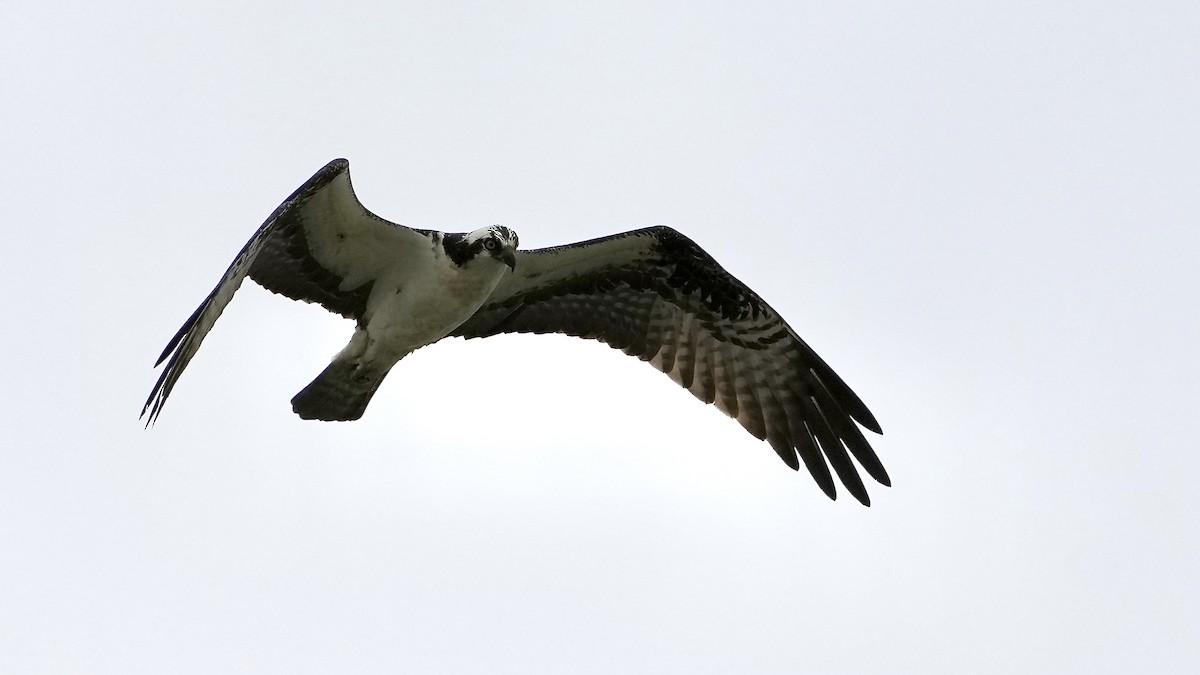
(320, 245)
(656, 295)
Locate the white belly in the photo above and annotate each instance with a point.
(409, 309)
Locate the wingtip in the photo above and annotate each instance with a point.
(149, 420)
(862, 496)
(152, 407)
(829, 489)
(786, 452)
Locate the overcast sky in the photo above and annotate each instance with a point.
(983, 215)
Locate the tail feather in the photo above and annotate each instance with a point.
(338, 394)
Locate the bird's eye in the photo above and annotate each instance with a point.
(491, 244)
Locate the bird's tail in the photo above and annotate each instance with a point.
(340, 393)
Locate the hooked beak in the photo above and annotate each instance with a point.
(509, 257)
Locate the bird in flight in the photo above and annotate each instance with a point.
(652, 293)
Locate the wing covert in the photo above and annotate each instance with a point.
(324, 246)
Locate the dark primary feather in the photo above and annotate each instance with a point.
(656, 295)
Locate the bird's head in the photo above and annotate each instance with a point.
(495, 241)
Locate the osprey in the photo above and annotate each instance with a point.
(652, 293)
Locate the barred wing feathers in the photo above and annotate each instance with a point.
(656, 295)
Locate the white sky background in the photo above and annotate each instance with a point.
(983, 215)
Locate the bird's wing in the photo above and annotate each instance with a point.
(320, 245)
(656, 295)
